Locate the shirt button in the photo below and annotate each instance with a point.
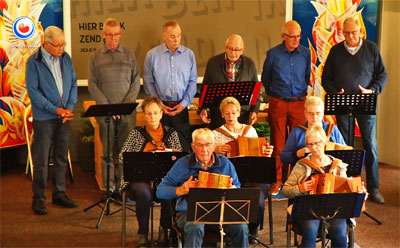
(172, 65)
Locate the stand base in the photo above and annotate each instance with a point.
(258, 241)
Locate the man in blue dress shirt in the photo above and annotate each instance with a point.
(286, 75)
(170, 73)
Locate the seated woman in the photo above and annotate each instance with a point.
(230, 131)
(295, 146)
(300, 183)
(153, 136)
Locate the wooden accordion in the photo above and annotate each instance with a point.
(245, 146)
(213, 180)
(326, 183)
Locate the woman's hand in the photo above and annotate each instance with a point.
(307, 186)
(301, 152)
(222, 149)
(267, 150)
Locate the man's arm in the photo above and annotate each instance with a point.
(73, 94)
(93, 88)
(308, 68)
(148, 78)
(380, 78)
(328, 74)
(267, 71)
(32, 85)
(134, 88)
(192, 84)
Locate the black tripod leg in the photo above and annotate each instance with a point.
(102, 212)
(271, 222)
(93, 205)
(373, 218)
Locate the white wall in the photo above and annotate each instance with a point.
(388, 123)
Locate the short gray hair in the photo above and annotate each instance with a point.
(51, 32)
(111, 22)
(313, 101)
(234, 36)
(318, 131)
(351, 20)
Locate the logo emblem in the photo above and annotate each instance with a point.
(23, 28)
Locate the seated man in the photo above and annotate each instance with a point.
(295, 147)
(179, 180)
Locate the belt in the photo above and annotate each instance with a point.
(170, 104)
(291, 98)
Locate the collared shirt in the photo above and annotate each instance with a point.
(211, 162)
(353, 50)
(55, 68)
(232, 69)
(286, 74)
(171, 76)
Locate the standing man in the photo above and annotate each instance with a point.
(355, 66)
(286, 75)
(51, 83)
(170, 74)
(114, 78)
(230, 66)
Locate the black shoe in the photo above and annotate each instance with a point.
(376, 197)
(63, 200)
(253, 235)
(39, 207)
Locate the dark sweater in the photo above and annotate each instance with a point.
(343, 70)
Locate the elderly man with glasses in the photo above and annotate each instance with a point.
(286, 75)
(230, 66)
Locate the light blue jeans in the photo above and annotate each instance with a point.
(337, 232)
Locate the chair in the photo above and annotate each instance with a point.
(28, 119)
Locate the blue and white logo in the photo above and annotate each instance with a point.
(23, 28)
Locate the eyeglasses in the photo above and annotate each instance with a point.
(314, 144)
(149, 114)
(57, 46)
(207, 145)
(293, 37)
(354, 33)
(109, 35)
(314, 113)
(234, 49)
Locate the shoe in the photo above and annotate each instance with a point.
(39, 207)
(275, 188)
(376, 197)
(63, 200)
(162, 236)
(141, 239)
(253, 235)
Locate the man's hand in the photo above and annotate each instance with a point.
(341, 91)
(176, 110)
(231, 185)
(252, 118)
(166, 110)
(306, 186)
(184, 189)
(301, 152)
(64, 114)
(267, 150)
(116, 117)
(204, 116)
(364, 90)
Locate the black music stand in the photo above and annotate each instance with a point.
(148, 167)
(257, 170)
(350, 105)
(355, 161)
(108, 110)
(245, 92)
(327, 206)
(222, 206)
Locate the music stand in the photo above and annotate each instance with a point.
(350, 104)
(257, 170)
(222, 206)
(147, 167)
(107, 110)
(355, 161)
(327, 206)
(245, 92)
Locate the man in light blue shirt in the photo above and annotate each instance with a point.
(170, 73)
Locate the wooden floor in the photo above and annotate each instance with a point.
(20, 227)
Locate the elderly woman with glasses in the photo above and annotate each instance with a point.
(300, 183)
(152, 137)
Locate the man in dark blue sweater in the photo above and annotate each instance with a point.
(355, 66)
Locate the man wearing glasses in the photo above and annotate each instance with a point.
(52, 88)
(286, 75)
(230, 66)
(114, 76)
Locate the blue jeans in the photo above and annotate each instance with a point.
(337, 232)
(194, 232)
(47, 133)
(367, 124)
(144, 197)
